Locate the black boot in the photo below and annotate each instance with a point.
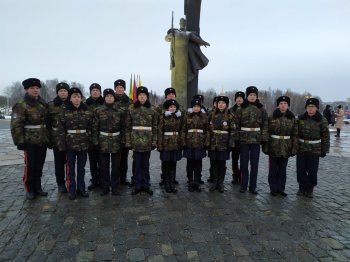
(215, 178)
(166, 179)
(172, 181)
(222, 174)
(197, 179)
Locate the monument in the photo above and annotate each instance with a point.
(186, 56)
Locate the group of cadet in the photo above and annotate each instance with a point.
(104, 128)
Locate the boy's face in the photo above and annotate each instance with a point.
(196, 108)
(311, 110)
(172, 109)
(75, 98)
(62, 94)
(142, 97)
(95, 93)
(283, 106)
(170, 96)
(239, 100)
(119, 90)
(33, 91)
(109, 99)
(252, 97)
(221, 105)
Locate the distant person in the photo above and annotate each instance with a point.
(327, 113)
(29, 134)
(313, 135)
(283, 143)
(339, 114)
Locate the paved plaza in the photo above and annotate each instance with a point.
(206, 226)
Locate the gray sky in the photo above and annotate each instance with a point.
(303, 45)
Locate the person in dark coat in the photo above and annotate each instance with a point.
(169, 142)
(29, 133)
(94, 101)
(222, 138)
(313, 136)
(123, 102)
(283, 143)
(74, 138)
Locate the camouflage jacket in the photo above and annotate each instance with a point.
(141, 127)
(93, 104)
(312, 129)
(74, 128)
(169, 131)
(28, 122)
(233, 111)
(252, 116)
(161, 110)
(281, 126)
(123, 101)
(222, 130)
(108, 121)
(55, 107)
(195, 130)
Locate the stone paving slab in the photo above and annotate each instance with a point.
(206, 226)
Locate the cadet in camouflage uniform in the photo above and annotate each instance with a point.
(141, 137)
(123, 102)
(313, 136)
(55, 108)
(210, 179)
(236, 176)
(29, 133)
(283, 143)
(169, 142)
(94, 101)
(169, 93)
(107, 134)
(252, 123)
(74, 132)
(194, 140)
(222, 138)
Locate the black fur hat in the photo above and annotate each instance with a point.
(31, 82)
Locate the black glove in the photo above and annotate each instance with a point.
(21, 147)
(323, 155)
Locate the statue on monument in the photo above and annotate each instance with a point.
(186, 56)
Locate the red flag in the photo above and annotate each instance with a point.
(134, 91)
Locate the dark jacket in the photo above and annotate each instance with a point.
(79, 121)
(195, 122)
(169, 123)
(27, 114)
(313, 129)
(282, 125)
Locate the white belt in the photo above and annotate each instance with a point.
(195, 131)
(310, 141)
(250, 128)
(54, 128)
(171, 133)
(78, 131)
(220, 131)
(109, 134)
(34, 126)
(280, 137)
(148, 128)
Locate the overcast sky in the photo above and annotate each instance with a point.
(302, 45)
